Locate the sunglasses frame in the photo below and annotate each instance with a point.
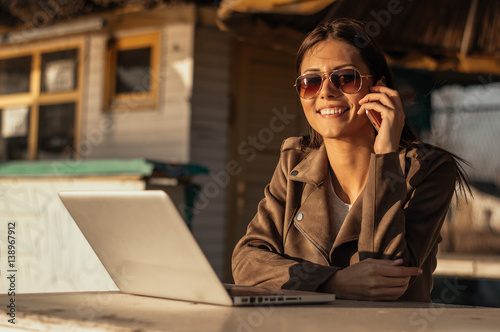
(328, 75)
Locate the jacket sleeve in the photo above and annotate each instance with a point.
(259, 258)
(403, 215)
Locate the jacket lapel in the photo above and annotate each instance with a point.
(313, 169)
(313, 216)
(316, 209)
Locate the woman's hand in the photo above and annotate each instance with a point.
(371, 279)
(388, 103)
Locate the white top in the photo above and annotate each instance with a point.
(340, 209)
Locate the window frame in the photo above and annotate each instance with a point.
(36, 98)
(133, 100)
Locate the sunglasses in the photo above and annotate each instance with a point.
(346, 80)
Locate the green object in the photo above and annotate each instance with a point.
(75, 168)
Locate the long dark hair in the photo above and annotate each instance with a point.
(353, 33)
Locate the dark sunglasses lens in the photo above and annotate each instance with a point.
(348, 81)
(308, 85)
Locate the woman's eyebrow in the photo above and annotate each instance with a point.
(336, 68)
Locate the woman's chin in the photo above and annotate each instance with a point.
(349, 135)
(333, 132)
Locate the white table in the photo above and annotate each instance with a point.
(115, 311)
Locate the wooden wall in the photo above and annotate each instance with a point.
(266, 111)
(161, 133)
(210, 119)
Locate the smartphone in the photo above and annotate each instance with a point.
(375, 119)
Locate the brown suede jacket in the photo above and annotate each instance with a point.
(291, 243)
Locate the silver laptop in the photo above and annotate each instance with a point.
(147, 248)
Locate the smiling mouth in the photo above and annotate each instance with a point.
(334, 110)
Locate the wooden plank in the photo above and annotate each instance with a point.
(35, 84)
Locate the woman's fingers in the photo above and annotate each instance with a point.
(374, 279)
(386, 288)
(374, 106)
(378, 97)
(398, 261)
(383, 96)
(387, 103)
(400, 271)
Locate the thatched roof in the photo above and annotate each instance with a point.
(447, 30)
(435, 27)
(35, 13)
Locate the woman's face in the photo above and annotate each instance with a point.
(332, 113)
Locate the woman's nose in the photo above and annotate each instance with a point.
(328, 89)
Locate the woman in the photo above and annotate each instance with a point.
(350, 210)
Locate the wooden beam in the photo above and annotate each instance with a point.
(468, 266)
(465, 64)
(469, 26)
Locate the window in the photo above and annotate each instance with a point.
(15, 75)
(14, 132)
(40, 102)
(133, 72)
(56, 131)
(59, 70)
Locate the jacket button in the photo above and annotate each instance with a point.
(294, 173)
(300, 216)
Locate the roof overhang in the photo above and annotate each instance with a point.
(459, 35)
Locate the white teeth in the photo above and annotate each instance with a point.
(329, 111)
